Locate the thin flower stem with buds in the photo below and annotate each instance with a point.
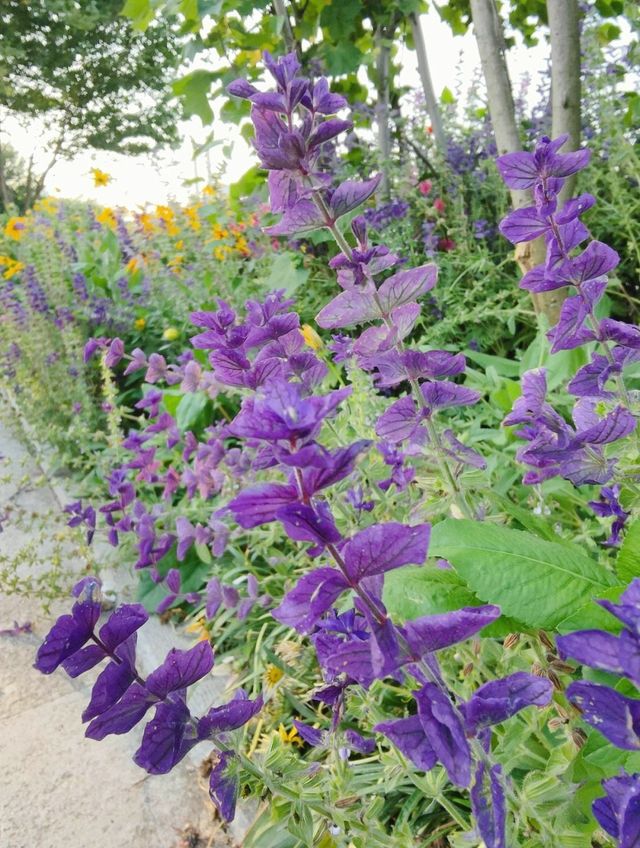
(455, 489)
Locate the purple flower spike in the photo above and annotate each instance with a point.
(181, 669)
(167, 738)
(434, 632)
(445, 733)
(498, 700)
(612, 714)
(408, 735)
(488, 802)
(223, 786)
(313, 595)
(67, 636)
(523, 170)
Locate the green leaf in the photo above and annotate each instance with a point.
(447, 97)
(504, 367)
(193, 89)
(140, 12)
(191, 413)
(415, 591)
(424, 590)
(535, 581)
(592, 616)
(286, 275)
(628, 562)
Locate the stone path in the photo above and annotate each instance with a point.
(57, 788)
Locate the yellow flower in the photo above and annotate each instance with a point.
(100, 178)
(193, 219)
(15, 228)
(13, 266)
(209, 190)
(272, 675)
(242, 246)
(221, 252)
(133, 264)
(179, 244)
(13, 269)
(197, 627)
(289, 737)
(170, 334)
(311, 338)
(140, 323)
(219, 232)
(107, 217)
(146, 222)
(176, 262)
(46, 204)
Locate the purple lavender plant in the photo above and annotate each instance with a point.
(614, 715)
(604, 412)
(121, 698)
(285, 418)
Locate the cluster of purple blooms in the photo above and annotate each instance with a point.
(283, 420)
(575, 451)
(276, 438)
(611, 713)
(121, 698)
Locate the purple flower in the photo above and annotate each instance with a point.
(609, 505)
(618, 813)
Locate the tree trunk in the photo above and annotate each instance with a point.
(564, 29)
(489, 36)
(431, 103)
(4, 188)
(281, 11)
(383, 62)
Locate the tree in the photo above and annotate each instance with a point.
(93, 80)
(564, 33)
(14, 178)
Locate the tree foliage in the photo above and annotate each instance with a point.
(82, 67)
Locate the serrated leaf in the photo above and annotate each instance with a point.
(537, 582)
(592, 616)
(412, 592)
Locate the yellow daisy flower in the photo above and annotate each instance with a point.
(289, 737)
(170, 334)
(193, 219)
(100, 178)
(272, 675)
(15, 228)
(107, 217)
(146, 222)
(140, 323)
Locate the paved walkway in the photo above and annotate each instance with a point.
(57, 788)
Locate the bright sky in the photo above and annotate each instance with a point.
(155, 179)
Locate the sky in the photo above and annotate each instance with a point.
(154, 179)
